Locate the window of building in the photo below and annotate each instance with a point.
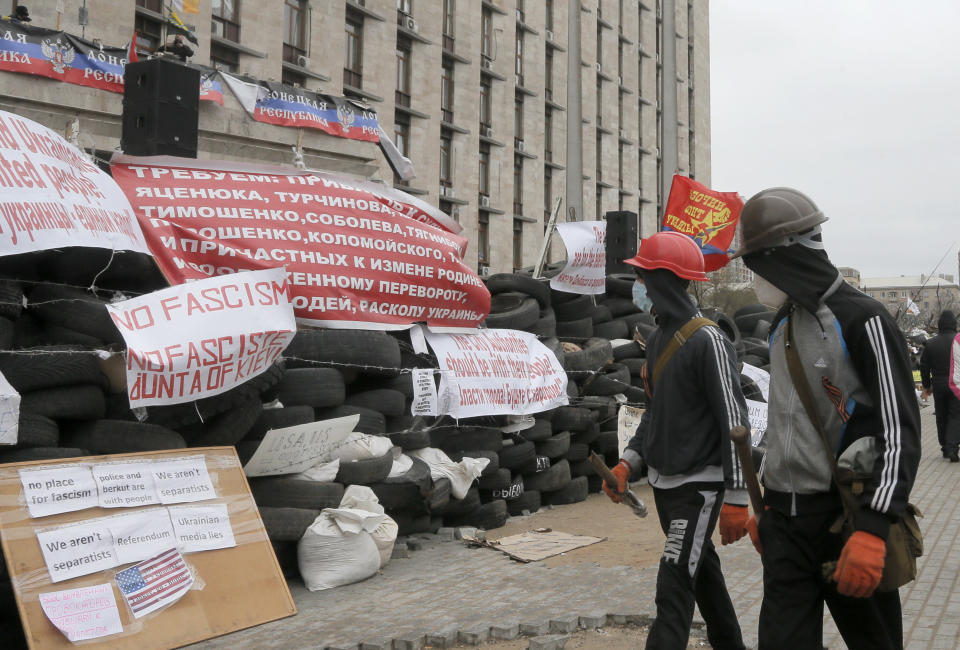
(547, 192)
(599, 206)
(226, 58)
(225, 19)
(295, 18)
(483, 239)
(293, 78)
(404, 51)
(486, 33)
(484, 185)
(599, 42)
(446, 160)
(519, 58)
(599, 102)
(447, 92)
(599, 157)
(517, 118)
(521, 14)
(149, 32)
(548, 134)
(548, 7)
(449, 7)
(353, 54)
(485, 102)
(517, 244)
(548, 75)
(517, 185)
(405, 6)
(401, 138)
(152, 5)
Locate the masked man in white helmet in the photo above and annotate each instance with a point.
(841, 391)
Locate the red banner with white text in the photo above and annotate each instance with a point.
(353, 260)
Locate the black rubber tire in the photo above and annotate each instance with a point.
(407, 491)
(280, 418)
(317, 387)
(483, 438)
(287, 524)
(595, 353)
(389, 402)
(582, 468)
(515, 282)
(621, 284)
(228, 428)
(56, 335)
(487, 516)
(750, 389)
(631, 350)
(246, 449)
(120, 437)
(756, 347)
(371, 422)
(41, 453)
(286, 492)
(412, 524)
(541, 430)
(607, 441)
(605, 406)
(286, 553)
(546, 325)
(634, 366)
(75, 309)
(7, 333)
(439, 495)
(748, 322)
(11, 299)
(615, 329)
(512, 311)
(753, 308)
(553, 478)
(410, 440)
(529, 501)
(574, 308)
(82, 402)
(755, 361)
(612, 379)
(50, 367)
(36, 431)
(455, 507)
(555, 447)
(497, 481)
(620, 306)
(371, 352)
(581, 328)
(725, 323)
(578, 451)
(553, 344)
(761, 331)
(600, 314)
(365, 470)
(573, 492)
(573, 418)
(587, 437)
(516, 456)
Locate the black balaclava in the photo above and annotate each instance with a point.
(804, 274)
(670, 299)
(947, 321)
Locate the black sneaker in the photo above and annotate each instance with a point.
(954, 458)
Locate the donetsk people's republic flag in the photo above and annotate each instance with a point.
(708, 217)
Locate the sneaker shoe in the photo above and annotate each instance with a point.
(954, 458)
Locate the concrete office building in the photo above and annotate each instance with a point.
(930, 294)
(474, 92)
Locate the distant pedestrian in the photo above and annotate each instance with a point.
(934, 376)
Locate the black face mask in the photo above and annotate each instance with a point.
(671, 302)
(804, 274)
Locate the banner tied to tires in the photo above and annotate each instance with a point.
(586, 269)
(496, 372)
(203, 338)
(708, 217)
(353, 259)
(51, 196)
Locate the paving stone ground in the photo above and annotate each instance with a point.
(447, 593)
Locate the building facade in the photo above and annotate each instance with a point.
(474, 92)
(930, 294)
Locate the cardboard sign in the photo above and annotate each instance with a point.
(760, 377)
(9, 412)
(628, 419)
(757, 412)
(708, 217)
(83, 613)
(202, 528)
(203, 338)
(352, 259)
(51, 196)
(497, 372)
(586, 269)
(298, 448)
(52, 491)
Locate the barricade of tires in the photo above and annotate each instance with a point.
(53, 333)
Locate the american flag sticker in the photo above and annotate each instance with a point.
(155, 583)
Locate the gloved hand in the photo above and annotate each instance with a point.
(733, 523)
(860, 566)
(622, 471)
(754, 534)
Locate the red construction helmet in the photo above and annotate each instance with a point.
(672, 251)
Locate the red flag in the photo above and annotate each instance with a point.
(132, 50)
(708, 217)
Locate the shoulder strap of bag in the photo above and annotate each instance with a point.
(679, 338)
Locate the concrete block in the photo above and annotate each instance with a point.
(408, 643)
(464, 531)
(443, 639)
(564, 624)
(415, 544)
(446, 534)
(550, 642)
(475, 635)
(534, 629)
(399, 551)
(505, 632)
(593, 621)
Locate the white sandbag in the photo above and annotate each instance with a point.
(358, 446)
(360, 497)
(401, 465)
(461, 474)
(338, 548)
(323, 472)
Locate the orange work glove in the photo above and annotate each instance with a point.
(754, 534)
(622, 471)
(733, 523)
(860, 565)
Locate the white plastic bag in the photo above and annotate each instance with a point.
(339, 549)
(461, 474)
(323, 472)
(359, 446)
(360, 497)
(401, 465)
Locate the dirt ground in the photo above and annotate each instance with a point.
(629, 541)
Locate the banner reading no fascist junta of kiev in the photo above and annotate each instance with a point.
(353, 259)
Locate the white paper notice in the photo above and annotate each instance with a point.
(141, 534)
(202, 528)
(497, 372)
(203, 338)
(628, 419)
(182, 480)
(761, 377)
(424, 393)
(298, 448)
(586, 269)
(9, 412)
(83, 613)
(757, 411)
(125, 485)
(64, 489)
(77, 550)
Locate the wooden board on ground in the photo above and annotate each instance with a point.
(538, 545)
(242, 586)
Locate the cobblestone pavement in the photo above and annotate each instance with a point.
(445, 593)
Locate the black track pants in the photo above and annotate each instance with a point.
(794, 590)
(947, 408)
(690, 570)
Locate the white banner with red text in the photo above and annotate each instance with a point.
(203, 338)
(586, 269)
(51, 196)
(496, 372)
(353, 259)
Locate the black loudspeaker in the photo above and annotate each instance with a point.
(621, 240)
(161, 98)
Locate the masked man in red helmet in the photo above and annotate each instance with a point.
(693, 401)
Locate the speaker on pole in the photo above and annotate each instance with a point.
(161, 100)
(621, 240)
